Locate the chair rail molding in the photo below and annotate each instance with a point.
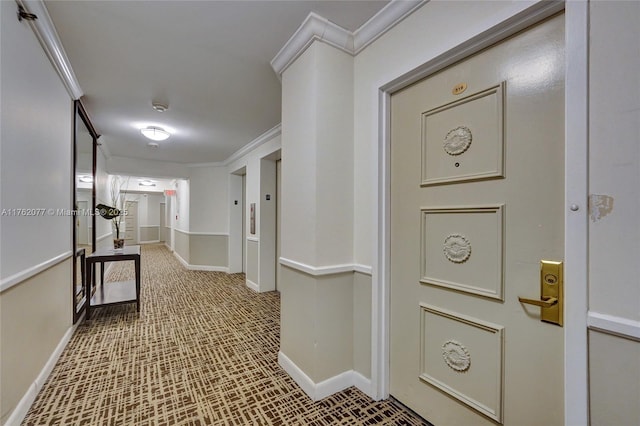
(21, 276)
(318, 271)
(610, 324)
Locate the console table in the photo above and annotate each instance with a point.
(113, 293)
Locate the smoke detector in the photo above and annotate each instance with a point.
(159, 107)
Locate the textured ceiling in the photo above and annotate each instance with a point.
(208, 60)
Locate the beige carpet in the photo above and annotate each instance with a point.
(202, 351)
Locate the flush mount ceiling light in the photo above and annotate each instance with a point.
(146, 182)
(155, 133)
(86, 179)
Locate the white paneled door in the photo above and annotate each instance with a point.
(477, 187)
(131, 223)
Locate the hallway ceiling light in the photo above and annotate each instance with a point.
(155, 133)
(86, 179)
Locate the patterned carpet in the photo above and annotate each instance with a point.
(202, 351)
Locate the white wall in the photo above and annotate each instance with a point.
(182, 210)
(36, 122)
(334, 156)
(614, 233)
(209, 208)
(298, 160)
(614, 159)
(36, 136)
(267, 218)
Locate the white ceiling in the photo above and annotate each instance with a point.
(208, 60)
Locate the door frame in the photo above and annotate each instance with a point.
(237, 226)
(576, 195)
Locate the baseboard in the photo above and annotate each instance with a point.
(334, 384)
(363, 384)
(253, 286)
(200, 267)
(306, 384)
(149, 242)
(184, 262)
(21, 410)
(317, 391)
(208, 268)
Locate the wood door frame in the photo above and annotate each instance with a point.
(576, 194)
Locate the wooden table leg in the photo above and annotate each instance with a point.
(137, 263)
(88, 282)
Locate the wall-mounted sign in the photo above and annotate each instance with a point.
(459, 88)
(252, 219)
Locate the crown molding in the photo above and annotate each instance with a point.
(317, 28)
(314, 27)
(213, 164)
(48, 37)
(390, 15)
(263, 138)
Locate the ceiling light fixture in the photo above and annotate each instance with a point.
(159, 107)
(146, 183)
(155, 133)
(86, 179)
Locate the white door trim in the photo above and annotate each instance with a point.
(576, 178)
(576, 228)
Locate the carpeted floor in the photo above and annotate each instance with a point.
(202, 351)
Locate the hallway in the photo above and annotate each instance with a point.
(203, 350)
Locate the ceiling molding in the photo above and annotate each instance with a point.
(314, 27)
(317, 28)
(213, 164)
(383, 21)
(48, 37)
(263, 138)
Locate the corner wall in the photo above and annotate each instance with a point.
(317, 278)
